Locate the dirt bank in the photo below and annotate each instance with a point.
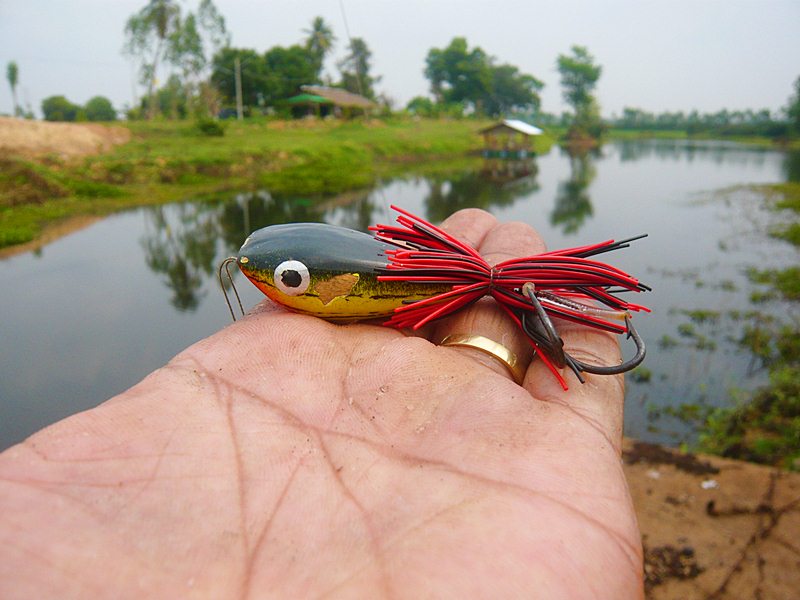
(715, 528)
(31, 139)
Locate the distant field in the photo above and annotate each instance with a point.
(166, 161)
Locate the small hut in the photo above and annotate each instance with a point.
(343, 102)
(510, 138)
(309, 104)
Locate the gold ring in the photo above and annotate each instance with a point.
(490, 347)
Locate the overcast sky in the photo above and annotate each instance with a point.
(668, 55)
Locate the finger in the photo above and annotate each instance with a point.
(470, 225)
(600, 400)
(486, 318)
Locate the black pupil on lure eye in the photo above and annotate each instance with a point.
(291, 278)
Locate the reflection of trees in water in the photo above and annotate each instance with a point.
(183, 248)
(353, 210)
(573, 204)
(791, 166)
(687, 150)
(474, 189)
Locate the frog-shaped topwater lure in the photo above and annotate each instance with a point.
(414, 273)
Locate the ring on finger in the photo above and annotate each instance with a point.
(494, 349)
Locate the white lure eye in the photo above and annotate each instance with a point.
(291, 277)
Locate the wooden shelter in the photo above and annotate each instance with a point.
(343, 102)
(510, 138)
(311, 104)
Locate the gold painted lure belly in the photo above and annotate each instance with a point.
(326, 271)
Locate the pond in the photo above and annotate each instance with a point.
(92, 313)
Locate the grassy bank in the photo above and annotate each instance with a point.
(169, 161)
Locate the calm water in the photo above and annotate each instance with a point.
(94, 312)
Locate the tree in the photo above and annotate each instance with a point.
(286, 69)
(458, 74)
(355, 70)
(319, 41)
(185, 51)
(58, 108)
(171, 99)
(512, 90)
(473, 78)
(252, 70)
(195, 41)
(793, 110)
(422, 106)
(212, 27)
(100, 108)
(148, 32)
(579, 75)
(12, 74)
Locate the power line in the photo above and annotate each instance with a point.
(350, 40)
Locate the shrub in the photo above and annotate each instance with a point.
(100, 108)
(210, 127)
(58, 108)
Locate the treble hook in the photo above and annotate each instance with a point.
(629, 364)
(543, 333)
(225, 265)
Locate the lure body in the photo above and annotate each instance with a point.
(416, 273)
(342, 265)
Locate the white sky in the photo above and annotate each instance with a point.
(667, 55)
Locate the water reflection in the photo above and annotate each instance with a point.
(499, 183)
(182, 249)
(573, 204)
(354, 210)
(689, 150)
(246, 212)
(791, 166)
(510, 171)
(130, 291)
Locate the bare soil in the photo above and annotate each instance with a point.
(713, 527)
(33, 139)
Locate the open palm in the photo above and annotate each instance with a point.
(289, 457)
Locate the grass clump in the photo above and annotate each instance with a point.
(766, 429)
(23, 182)
(782, 282)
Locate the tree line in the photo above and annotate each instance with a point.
(207, 75)
(58, 108)
(724, 122)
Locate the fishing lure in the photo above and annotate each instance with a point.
(414, 273)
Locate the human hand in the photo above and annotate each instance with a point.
(289, 457)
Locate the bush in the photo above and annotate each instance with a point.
(210, 127)
(58, 108)
(100, 108)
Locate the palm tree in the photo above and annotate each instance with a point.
(320, 40)
(12, 74)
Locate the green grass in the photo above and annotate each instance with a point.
(168, 160)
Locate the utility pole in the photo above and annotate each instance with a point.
(237, 73)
